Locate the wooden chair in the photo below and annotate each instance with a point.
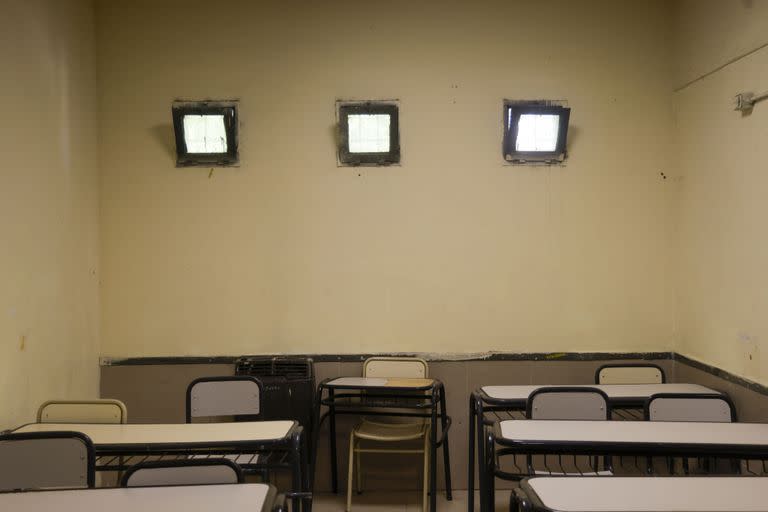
(83, 411)
(103, 411)
(385, 430)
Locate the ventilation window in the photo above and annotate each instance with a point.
(368, 133)
(206, 133)
(535, 132)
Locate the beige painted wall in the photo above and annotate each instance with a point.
(49, 314)
(710, 33)
(722, 207)
(451, 252)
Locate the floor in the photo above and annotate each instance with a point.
(380, 501)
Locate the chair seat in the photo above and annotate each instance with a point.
(382, 431)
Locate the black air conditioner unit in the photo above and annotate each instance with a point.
(289, 387)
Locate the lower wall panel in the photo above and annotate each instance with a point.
(155, 394)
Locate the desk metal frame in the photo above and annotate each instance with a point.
(121, 456)
(359, 399)
(596, 448)
(273, 502)
(526, 499)
(480, 403)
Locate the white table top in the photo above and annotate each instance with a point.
(163, 434)
(660, 432)
(645, 494)
(376, 382)
(614, 391)
(203, 498)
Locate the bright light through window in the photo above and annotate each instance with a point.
(205, 134)
(368, 133)
(537, 132)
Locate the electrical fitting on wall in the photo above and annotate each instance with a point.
(744, 102)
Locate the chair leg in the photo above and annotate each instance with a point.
(425, 494)
(351, 468)
(359, 479)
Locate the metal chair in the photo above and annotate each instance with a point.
(46, 460)
(232, 397)
(681, 407)
(389, 429)
(640, 373)
(83, 411)
(569, 403)
(705, 407)
(183, 472)
(211, 397)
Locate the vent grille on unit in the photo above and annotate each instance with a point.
(290, 368)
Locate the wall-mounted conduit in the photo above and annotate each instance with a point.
(745, 101)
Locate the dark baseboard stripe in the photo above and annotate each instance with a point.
(722, 374)
(498, 356)
(355, 358)
(164, 361)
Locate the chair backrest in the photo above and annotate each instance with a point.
(567, 403)
(46, 460)
(183, 472)
(630, 374)
(402, 367)
(395, 367)
(83, 411)
(680, 407)
(238, 395)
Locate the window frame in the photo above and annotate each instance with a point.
(511, 118)
(346, 108)
(229, 109)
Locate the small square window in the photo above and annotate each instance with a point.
(368, 133)
(206, 133)
(535, 132)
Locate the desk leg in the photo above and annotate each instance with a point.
(482, 475)
(471, 464)
(332, 428)
(446, 449)
(490, 470)
(297, 459)
(433, 454)
(315, 441)
(308, 484)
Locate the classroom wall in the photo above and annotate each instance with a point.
(711, 33)
(721, 244)
(49, 271)
(452, 251)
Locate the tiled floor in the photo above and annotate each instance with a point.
(381, 501)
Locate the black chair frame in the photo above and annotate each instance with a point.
(90, 451)
(161, 464)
